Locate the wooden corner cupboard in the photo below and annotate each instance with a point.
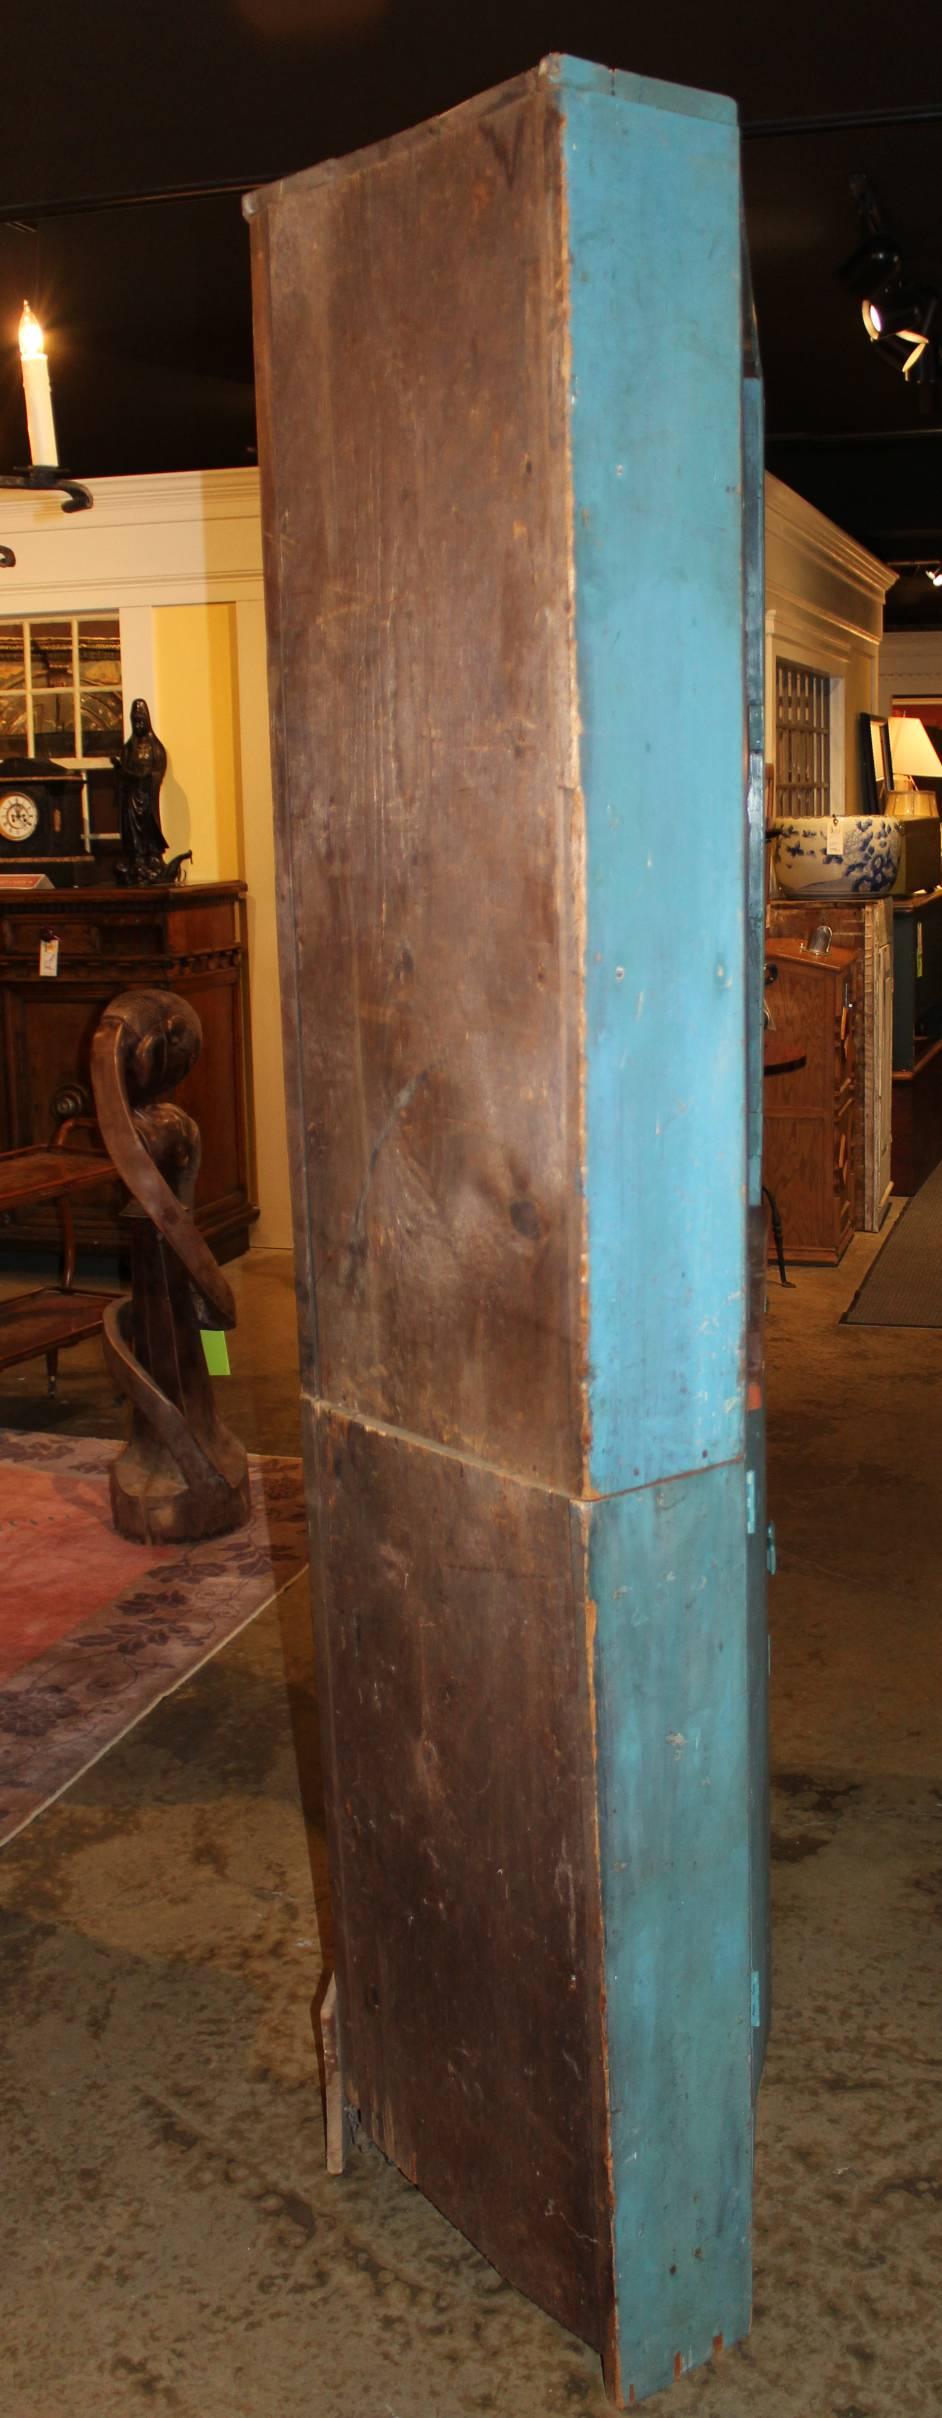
(188, 938)
(510, 428)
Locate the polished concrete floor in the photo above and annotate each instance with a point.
(171, 2241)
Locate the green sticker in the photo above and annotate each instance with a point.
(217, 1351)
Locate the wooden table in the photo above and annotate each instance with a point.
(56, 1315)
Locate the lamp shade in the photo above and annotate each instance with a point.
(912, 750)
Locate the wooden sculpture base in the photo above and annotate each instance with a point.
(152, 1503)
(180, 1477)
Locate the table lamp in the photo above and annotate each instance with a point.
(914, 759)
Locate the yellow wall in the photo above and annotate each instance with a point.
(195, 712)
(210, 708)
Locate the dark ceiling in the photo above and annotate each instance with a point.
(148, 306)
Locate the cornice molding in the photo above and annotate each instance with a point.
(795, 614)
(173, 495)
(791, 518)
(108, 592)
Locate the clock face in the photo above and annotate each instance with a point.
(19, 815)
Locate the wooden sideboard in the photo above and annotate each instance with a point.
(866, 927)
(189, 938)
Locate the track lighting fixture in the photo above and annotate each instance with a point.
(872, 268)
(901, 314)
(900, 318)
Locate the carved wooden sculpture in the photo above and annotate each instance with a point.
(182, 1474)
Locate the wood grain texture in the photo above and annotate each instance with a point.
(419, 554)
(452, 1635)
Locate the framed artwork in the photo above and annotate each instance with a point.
(876, 761)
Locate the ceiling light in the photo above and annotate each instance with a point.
(897, 312)
(875, 265)
(900, 321)
(935, 576)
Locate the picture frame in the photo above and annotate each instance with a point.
(876, 761)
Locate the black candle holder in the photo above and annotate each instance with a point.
(41, 479)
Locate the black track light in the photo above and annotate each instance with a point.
(902, 317)
(900, 320)
(870, 269)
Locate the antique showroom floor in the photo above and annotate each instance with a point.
(172, 2241)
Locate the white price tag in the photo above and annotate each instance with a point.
(49, 956)
(835, 840)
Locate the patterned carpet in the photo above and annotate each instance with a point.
(94, 1630)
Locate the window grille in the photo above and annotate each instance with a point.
(61, 698)
(802, 741)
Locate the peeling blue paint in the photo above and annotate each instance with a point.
(653, 203)
(669, 753)
(672, 1693)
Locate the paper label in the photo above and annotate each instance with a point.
(834, 844)
(216, 1350)
(49, 957)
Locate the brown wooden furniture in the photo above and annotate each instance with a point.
(49, 1319)
(866, 928)
(189, 939)
(917, 1040)
(517, 1089)
(182, 1474)
(808, 1147)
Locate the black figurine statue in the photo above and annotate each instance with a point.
(140, 768)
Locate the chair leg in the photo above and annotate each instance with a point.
(777, 1237)
(52, 1371)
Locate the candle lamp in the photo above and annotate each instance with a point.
(45, 473)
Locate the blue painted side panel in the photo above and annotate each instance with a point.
(757, 1649)
(667, 1575)
(665, 434)
(653, 203)
(758, 1629)
(583, 75)
(754, 609)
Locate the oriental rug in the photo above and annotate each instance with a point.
(95, 1630)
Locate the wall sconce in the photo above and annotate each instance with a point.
(44, 474)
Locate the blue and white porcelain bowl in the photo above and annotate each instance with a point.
(837, 856)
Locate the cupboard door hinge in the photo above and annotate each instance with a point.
(756, 2003)
(750, 1502)
(771, 1553)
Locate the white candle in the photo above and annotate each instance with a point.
(36, 388)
